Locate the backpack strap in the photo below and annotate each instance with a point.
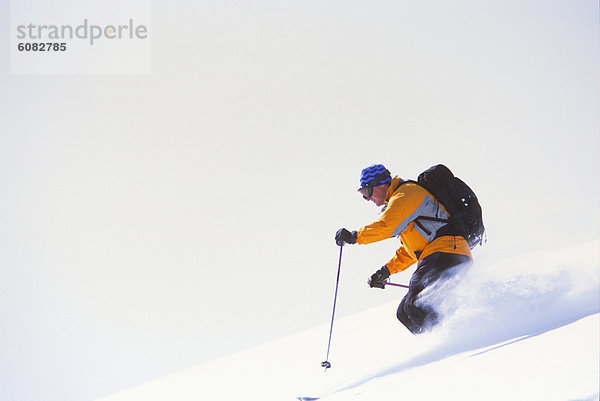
(442, 231)
(446, 230)
(418, 219)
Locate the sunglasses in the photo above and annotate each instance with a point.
(366, 192)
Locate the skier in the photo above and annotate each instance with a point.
(413, 214)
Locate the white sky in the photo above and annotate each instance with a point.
(153, 222)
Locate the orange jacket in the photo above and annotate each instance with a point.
(404, 204)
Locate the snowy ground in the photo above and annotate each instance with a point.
(525, 328)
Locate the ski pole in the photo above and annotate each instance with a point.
(326, 363)
(396, 285)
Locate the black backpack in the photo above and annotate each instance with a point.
(459, 201)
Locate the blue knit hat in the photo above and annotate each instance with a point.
(375, 175)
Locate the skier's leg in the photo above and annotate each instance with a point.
(418, 317)
(411, 315)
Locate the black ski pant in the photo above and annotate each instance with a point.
(418, 316)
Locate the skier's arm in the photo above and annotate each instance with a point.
(396, 217)
(402, 260)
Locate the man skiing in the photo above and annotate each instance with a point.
(415, 215)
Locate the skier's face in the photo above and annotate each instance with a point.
(379, 193)
(375, 194)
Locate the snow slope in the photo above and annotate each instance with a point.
(525, 328)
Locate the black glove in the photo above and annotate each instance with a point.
(378, 278)
(343, 236)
